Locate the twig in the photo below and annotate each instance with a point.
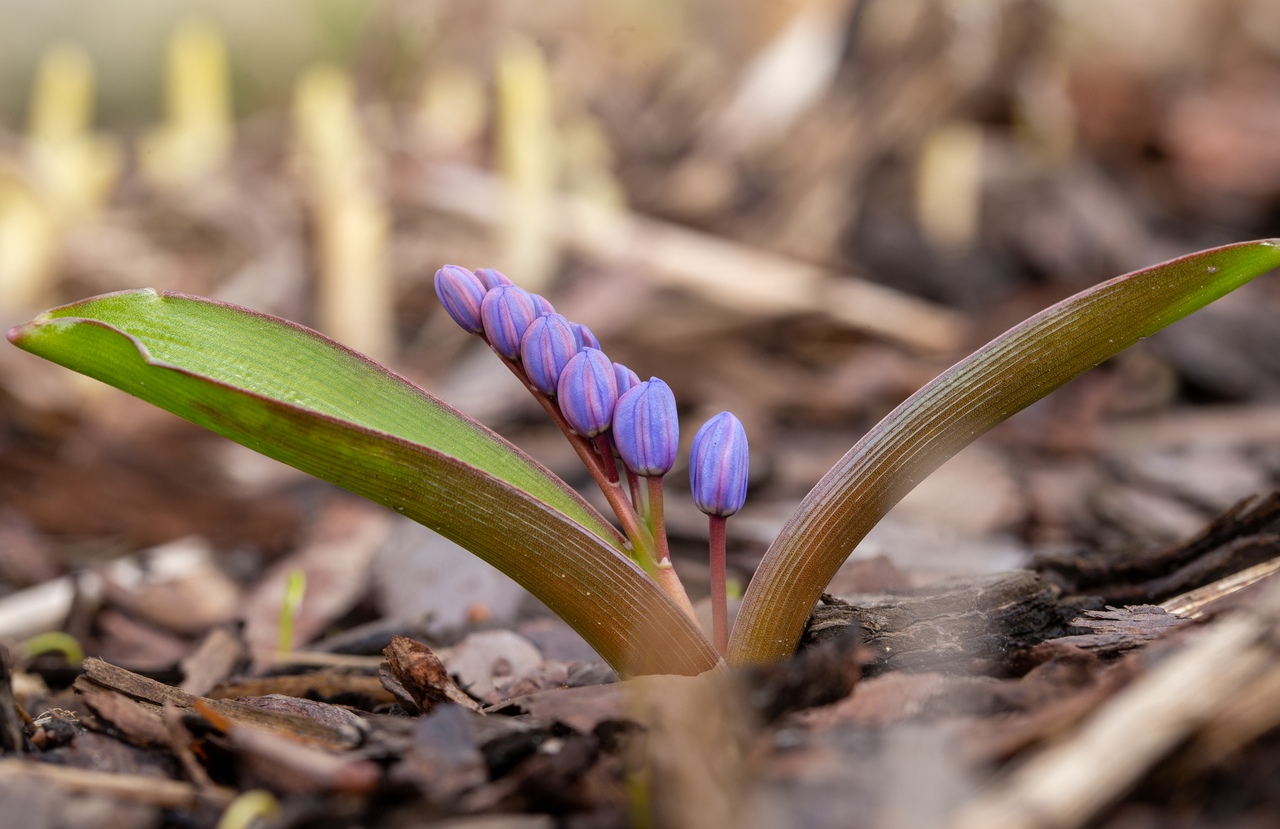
(727, 273)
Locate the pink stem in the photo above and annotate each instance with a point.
(605, 449)
(719, 593)
(637, 494)
(641, 540)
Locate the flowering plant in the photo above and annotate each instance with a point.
(308, 401)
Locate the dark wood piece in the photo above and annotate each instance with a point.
(985, 624)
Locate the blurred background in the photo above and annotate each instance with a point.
(799, 211)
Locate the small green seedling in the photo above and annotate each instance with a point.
(303, 399)
(295, 587)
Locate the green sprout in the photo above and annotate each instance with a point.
(54, 641)
(301, 398)
(295, 587)
(249, 809)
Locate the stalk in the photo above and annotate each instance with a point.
(719, 592)
(642, 548)
(665, 573)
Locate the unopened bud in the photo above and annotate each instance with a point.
(585, 338)
(718, 466)
(625, 378)
(461, 293)
(507, 313)
(587, 392)
(546, 349)
(646, 428)
(492, 278)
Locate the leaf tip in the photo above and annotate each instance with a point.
(19, 333)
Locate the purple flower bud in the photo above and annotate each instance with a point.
(718, 466)
(461, 293)
(492, 278)
(544, 306)
(646, 428)
(625, 377)
(546, 349)
(507, 313)
(585, 338)
(587, 392)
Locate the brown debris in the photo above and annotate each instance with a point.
(12, 739)
(1117, 630)
(148, 789)
(979, 625)
(416, 676)
(1239, 538)
(101, 675)
(220, 653)
(286, 764)
(444, 760)
(324, 684)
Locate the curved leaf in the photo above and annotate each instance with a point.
(303, 399)
(1009, 373)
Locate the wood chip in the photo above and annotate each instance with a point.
(291, 766)
(142, 725)
(219, 654)
(101, 675)
(1066, 785)
(170, 794)
(324, 684)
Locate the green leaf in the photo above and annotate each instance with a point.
(1009, 373)
(303, 399)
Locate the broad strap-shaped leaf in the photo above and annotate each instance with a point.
(297, 396)
(1009, 373)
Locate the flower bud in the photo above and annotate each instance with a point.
(585, 338)
(546, 349)
(492, 278)
(718, 466)
(646, 428)
(543, 305)
(507, 313)
(587, 392)
(625, 377)
(461, 293)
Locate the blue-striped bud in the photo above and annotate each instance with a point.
(461, 293)
(492, 278)
(543, 305)
(587, 392)
(546, 349)
(646, 429)
(625, 378)
(718, 466)
(507, 312)
(585, 338)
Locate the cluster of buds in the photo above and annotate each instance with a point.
(609, 414)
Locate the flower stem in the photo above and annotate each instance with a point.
(719, 594)
(637, 495)
(605, 449)
(665, 573)
(641, 540)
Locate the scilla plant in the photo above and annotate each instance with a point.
(301, 398)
